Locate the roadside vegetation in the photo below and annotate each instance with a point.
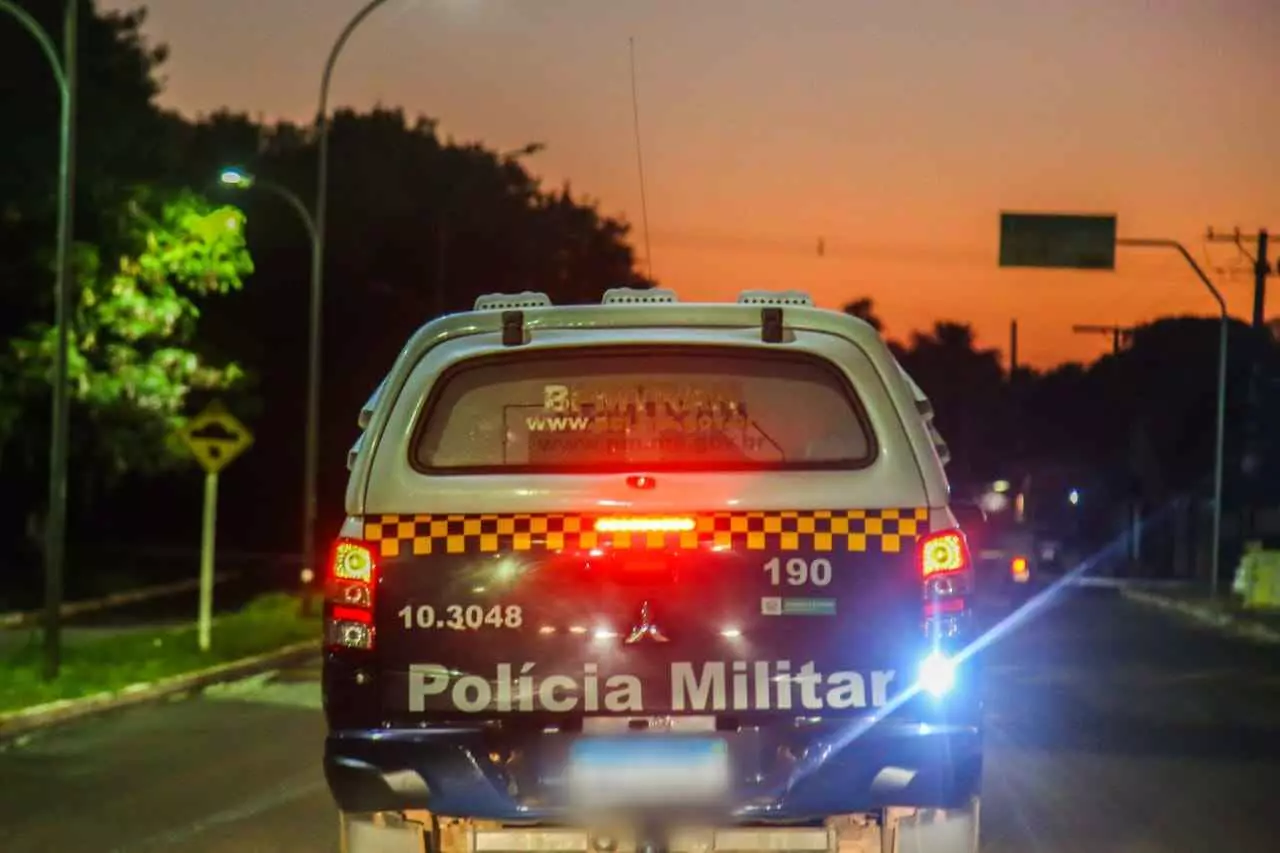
(110, 660)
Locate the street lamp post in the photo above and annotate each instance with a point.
(317, 290)
(242, 180)
(64, 72)
(317, 285)
(1088, 242)
(1220, 430)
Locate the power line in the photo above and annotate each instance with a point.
(822, 247)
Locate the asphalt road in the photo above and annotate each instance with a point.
(1112, 729)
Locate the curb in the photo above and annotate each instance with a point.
(14, 724)
(1224, 623)
(70, 609)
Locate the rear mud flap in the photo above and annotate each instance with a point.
(937, 831)
(382, 833)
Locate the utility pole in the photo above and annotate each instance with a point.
(1261, 265)
(1119, 334)
(1261, 270)
(1013, 348)
(66, 75)
(1253, 429)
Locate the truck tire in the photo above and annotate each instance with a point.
(935, 831)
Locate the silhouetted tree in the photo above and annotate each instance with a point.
(864, 309)
(965, 385)
(1165, 386)
(119, 143)
(417, 226)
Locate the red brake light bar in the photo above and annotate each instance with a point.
(653, 524)
(352, 614)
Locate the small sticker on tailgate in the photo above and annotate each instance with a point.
(777, 606)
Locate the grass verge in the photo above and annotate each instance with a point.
(113, 661)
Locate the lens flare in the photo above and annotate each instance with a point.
(937, 674)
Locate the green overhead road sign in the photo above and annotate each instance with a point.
(1058, 241)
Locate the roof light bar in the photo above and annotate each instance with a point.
(638, 296)
(508, 301)
(775, 297)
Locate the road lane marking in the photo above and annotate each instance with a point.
(270, 688)
(288, 695)
(296, 789)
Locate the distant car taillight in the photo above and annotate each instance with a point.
(946, 573)
(349, 590)
(1020, 569)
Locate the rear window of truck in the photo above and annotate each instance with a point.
(659, 408)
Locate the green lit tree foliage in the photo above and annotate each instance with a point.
(134, 359)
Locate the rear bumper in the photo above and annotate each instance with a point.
(454, 773)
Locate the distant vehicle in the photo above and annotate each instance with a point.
(1050, 553)
(1006, 555)
(615, 569)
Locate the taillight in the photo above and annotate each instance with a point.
(349, 590)
(943, 561)
(943, 552)
(1020, 570)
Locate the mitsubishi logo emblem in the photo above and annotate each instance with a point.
(645, 629)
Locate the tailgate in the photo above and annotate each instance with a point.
(726, 613)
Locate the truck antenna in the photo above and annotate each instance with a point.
(635, 115)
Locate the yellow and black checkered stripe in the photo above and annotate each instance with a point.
(886, 531)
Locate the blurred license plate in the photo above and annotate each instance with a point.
(647, 769)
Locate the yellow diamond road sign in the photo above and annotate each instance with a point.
(215, 438)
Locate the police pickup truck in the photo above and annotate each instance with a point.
(650, 575)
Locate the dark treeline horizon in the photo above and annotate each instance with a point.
(418, 226)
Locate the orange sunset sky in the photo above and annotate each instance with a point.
(895, 131)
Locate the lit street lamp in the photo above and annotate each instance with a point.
(239, 179)
(64, 73)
